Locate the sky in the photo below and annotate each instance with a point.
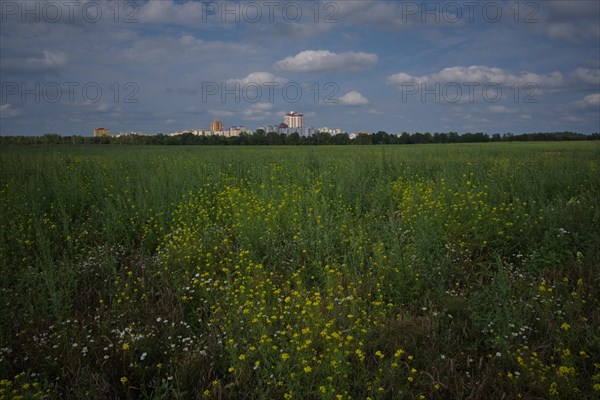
(163, 66)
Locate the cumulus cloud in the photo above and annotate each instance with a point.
(325, 60)
(481, 74)
(589, 101)
(353, 98)
(258, 78)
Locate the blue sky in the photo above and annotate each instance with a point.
(166, 66)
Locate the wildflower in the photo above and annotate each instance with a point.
(308, 369)
(565, 371)
(285, 356)
(360, 354)
(565, 326)
(379, 354)
(125, 346)
(242, 357)
(124, 380)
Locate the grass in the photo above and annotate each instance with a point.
(425, 272)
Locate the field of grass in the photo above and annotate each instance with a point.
(381, 272)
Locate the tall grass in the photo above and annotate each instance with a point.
(440, 271)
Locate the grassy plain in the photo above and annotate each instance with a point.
(382, 272)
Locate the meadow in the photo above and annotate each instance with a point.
(463, 271)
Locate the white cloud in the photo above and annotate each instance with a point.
(7, 111)
(353, 98)
(587, 76)
(258, 78)
(589, 101)
(325, 60)
(171, 12)
(401, 78)
(258, 111)
(481, 74)
(500, 109)
(570, 20)
(261, 106)
(48, 61)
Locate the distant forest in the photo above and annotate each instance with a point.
(272, 138)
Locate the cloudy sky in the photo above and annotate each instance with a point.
(165, 66)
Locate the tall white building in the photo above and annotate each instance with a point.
(293, 120)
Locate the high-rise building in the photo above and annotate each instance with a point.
(99, 132)
(216, 126)
(293, 120)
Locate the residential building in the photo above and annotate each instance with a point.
(100, 132)
(216, 126)
(294, 120)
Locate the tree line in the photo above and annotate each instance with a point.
(272, 138)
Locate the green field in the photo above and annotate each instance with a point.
(383, 272)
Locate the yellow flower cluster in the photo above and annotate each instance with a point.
(288, 326)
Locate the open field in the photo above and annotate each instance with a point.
(382, 272)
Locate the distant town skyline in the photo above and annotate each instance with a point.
(415, 66)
